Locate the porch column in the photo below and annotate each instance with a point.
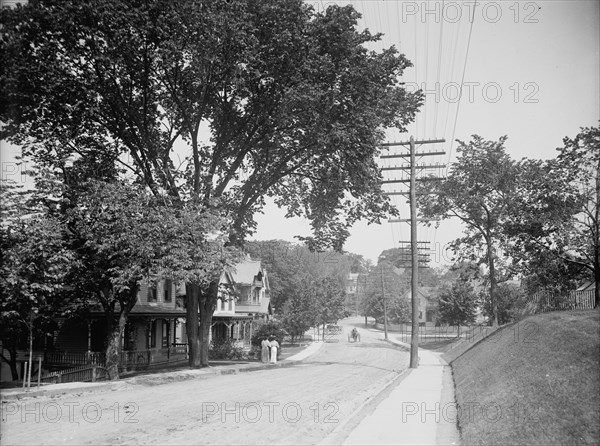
(210, 332)
(148, 333)
(89, 334)
(228, 325)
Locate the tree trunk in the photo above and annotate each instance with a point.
(200, 308)
(114, 332)
(12, 362)
(192, 295)
(493, 302)
(596, 233)
(205, 327)
(208, 304)
(113, 347)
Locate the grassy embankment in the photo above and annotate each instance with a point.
(534, 382)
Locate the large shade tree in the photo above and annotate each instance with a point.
(34, 260)
(480, 190)
(557, 220)
(259, 98)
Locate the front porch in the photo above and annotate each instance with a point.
(236, 327)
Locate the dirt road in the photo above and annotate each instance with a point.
(295, 405)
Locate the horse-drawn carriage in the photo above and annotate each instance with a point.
(354, 336)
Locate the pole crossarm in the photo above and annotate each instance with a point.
(404, 155)
(408, 220)
(408, 181)
(407, 193)
(418, 241)
(423, 166)
(407, 143)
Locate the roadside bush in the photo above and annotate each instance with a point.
(225, 349)
(270, 329)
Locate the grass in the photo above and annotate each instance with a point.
(534, 382)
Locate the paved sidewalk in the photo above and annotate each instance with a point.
(160, 377)
(419, 411)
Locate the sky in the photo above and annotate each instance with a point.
(530, 70)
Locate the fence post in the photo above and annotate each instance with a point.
(94, 374)
(39, 370)
(25, 375)
(58, 378)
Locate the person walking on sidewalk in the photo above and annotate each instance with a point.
(265, 347)
(274, 348)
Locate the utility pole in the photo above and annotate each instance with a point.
(414, 342)
(385, 327)
(414, 287)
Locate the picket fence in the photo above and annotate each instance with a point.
(544, 301)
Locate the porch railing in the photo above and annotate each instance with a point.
(129, 358)
(85, 373)
(139, 359)
(73, 358)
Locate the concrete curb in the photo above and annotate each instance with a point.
(56, 390)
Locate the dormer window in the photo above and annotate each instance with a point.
(151, 295)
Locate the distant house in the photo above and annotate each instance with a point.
(352, 292)
(352, 283)
(153, 333)
(428, 305)
(244, 298)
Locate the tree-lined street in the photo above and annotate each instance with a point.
(294, 405)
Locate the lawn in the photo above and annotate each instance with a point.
(534, 382)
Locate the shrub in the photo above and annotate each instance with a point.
(270, 329)
(225, 349)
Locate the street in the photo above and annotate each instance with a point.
(301, 404)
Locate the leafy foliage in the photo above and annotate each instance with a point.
(34, 261)
(293, 103)
(272, 329)
(383, 282)
(480, 190)
(226, 349)
(458, 304)
(557, 223)
(510, 302)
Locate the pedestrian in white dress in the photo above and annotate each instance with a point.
(265, 347)
(274, 347)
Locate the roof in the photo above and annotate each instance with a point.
(262, 307)
(139, 310)
(243, 273)
(587, 285)
(145, 309)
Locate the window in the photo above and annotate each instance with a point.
(151, 294)
(168, 291)
(152, 337)
(165, 334)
